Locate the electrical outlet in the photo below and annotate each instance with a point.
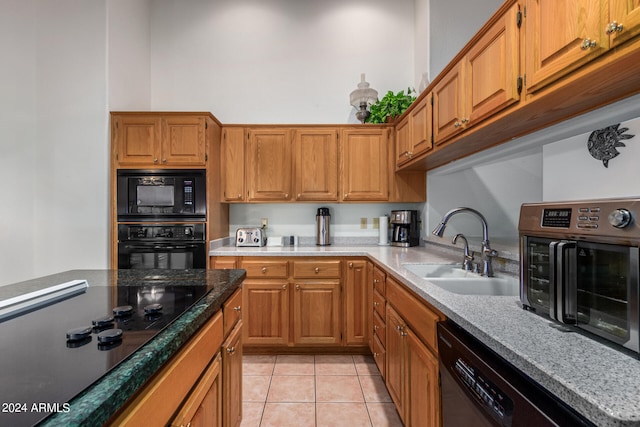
(363, 223)
(264, 222)
(376, 223)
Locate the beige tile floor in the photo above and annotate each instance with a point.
(315, 391)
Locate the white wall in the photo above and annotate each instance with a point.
(452, 24)
(129, 58)
(422, 41)
(55, 150)
(571, 173)
(18, 142)
(277, 61)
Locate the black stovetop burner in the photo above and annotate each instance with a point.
(54, 368)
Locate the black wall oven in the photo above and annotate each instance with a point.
(580, 266)
(161, 246)
(161, 195)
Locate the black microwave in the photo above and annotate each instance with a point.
(580, 266)
(161, 195)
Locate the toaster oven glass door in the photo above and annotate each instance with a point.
(607, 285)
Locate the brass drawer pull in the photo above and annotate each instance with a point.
(264, 269)
(317, 270)
(238, 308)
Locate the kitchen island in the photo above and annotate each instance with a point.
(49, 380)
(598, 381)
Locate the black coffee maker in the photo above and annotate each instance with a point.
(404, 228)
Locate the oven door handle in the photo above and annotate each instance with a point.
(562, 281)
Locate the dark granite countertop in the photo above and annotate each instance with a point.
(121, 372)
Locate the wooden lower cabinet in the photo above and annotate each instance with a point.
(298, 302)
(316, 313)
(412, 375)
(203, 407)
(232, 377)
(423, 394)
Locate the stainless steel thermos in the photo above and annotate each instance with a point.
(323, 231)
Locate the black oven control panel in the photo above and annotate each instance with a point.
(161, 232)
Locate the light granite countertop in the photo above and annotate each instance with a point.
(598, 381)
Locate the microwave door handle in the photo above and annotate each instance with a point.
(565, 282)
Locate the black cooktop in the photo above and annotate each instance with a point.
(40, 370)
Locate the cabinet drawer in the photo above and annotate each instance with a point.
(421, 318)
(379, 355)
(231, 311)
(379, 303)
(379, 328)
(379, 280)
(267, 268)
(313, 269)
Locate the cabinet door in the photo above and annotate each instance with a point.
(562, 35)
(424, 390)
(233, 163)
(403, 141)
(626, 15)
(269, 165)
(138, 140)
(316, 164)
(232, 377)
(266, 312)
(421, 127)
(364, 165)
(396, 361)
(183, 141)
(355, 300)
(316, 312)
(492, 68)
(448, 105)
(203, 407)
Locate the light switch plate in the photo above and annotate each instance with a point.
(363, 223)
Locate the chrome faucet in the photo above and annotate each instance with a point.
(487, 252)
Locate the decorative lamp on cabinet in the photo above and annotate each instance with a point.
(362, 98)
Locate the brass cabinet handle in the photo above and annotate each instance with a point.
(284, 287)
(350, 265)
(164, 160)
(231, 350)
(239, 196)
(297, 287)
(238, 308)
(317, 270)
(376, 354)
(286, 195)
(376, 304)
(457, 124)
(588, 44)
(376, 327)
(264, 269)
(464, 121)
(155, 160)
(376, 281)
(614, 27)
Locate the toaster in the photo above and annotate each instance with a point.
(250, 237)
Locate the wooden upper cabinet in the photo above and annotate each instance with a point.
(562, 35)
(137, 139)
(448, 105)
(269, 165)
(183, 140)
(364, 165)
(624, 20)
(492, 69)
(421, 127)
(233, 159)
(403, 140)
(316, 164)
(158, 140)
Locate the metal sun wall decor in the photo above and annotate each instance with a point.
(603, 143)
